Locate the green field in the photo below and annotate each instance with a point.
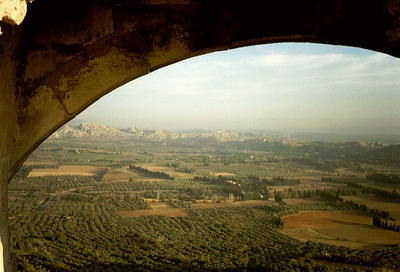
(180, 205)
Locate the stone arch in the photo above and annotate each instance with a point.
(68, 53)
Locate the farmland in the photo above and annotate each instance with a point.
(166, 212)
(338, 228)
(68, 170)
(198, 204)
(392, 208)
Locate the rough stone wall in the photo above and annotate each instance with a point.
(68, 53)
(8, 118)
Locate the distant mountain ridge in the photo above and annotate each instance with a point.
(87, 130)
(98, 130)
(93, 130)
(68, 132)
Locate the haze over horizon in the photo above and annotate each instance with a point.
(289, 86)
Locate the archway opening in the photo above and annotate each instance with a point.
(283, 129)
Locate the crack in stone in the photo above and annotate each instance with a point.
(61, 103)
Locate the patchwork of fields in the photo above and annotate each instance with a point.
(188, 206)
(163, 209)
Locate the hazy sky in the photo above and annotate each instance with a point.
(281, 86)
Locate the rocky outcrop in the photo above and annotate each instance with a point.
(68, 132)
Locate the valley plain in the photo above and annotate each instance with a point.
(94, 198)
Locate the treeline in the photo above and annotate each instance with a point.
(171, 164)
(335, 196)
(379, 213)
(322, 194)
(151, 174)
(385, 224)
(383, 194)
(177, 168)
(185, 170)
(384, 178)
(220, 180)
(255, 181)
(46, 166)
(275, 181)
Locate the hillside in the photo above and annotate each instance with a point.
(389, 154)
(68, 132)
(99, 130)
(241, 141)
(93, 130)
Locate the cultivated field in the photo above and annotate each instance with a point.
(41, 163)
(382, 168)
(202, 205)
(163, 209)
(224, 174)
(299, 201)
(382, 186)
(166, 170)
(160, 209)
(338, 228)
(392, 208)
(120, 174)
(68, 170)
(248, 203)
(171, 212)
(308, 183)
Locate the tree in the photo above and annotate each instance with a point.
(278, 197)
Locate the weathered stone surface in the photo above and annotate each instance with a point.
(8, 123)
(68, 53)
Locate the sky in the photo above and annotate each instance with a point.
(288, 86)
